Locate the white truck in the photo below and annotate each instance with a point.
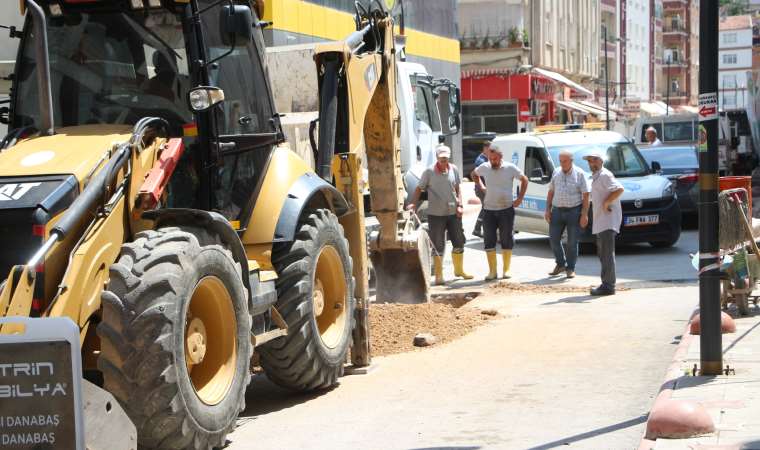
(421, 126)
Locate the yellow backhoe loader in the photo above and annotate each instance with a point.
(147, 193)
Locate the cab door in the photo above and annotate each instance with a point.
(245, 126)
(427, 123)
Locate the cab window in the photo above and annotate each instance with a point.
(246, 108)
(425, 106)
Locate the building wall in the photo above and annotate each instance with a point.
(734, 64)
(568, 34)
(637, 48)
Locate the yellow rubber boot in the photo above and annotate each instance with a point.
(458, 259)
(506, 256)
(438, 266)
(491, 255)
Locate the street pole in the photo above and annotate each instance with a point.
(710, 339)
(606, 80)
(667, 82)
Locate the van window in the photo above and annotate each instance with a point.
(536, 158)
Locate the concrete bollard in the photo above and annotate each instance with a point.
(677, 419)
(727, 324)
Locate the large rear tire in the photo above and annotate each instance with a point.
(175, 338)
(315, 296)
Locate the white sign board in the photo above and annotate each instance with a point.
(708, 106)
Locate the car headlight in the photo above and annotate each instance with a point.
(668, 191)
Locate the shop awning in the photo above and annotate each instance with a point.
(655, 108)
(586, 108)
(563, 80)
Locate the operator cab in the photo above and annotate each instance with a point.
(115, 62)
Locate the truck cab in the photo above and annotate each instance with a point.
(422, 127)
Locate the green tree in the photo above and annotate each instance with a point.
(734, 7)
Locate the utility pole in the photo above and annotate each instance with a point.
(667, 81)
(710, 339)
(606, 80)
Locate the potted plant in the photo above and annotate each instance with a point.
(514, 37)
(525, 38)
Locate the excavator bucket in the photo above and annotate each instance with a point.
(403, 274)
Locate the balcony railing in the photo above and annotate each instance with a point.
(674, 28)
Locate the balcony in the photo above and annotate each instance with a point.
(609, 6)
(675, 28)
(669, 5)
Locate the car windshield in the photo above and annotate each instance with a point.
(621, 158)
(108, 67)
(672, 157)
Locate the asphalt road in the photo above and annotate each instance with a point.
(561, 369)
(558, 370)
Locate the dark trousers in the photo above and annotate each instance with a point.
(439, 226)
(565, 218)
(503, 221)
(479, 223)
(605, 249)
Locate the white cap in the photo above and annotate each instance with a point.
(443, 151)
(593, 154)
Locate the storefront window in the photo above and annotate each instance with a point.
(496, 118)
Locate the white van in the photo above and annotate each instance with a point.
(650, 208)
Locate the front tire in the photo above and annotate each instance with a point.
(315, 296)
(176, 338)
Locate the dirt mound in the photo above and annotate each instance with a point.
(393, 326)
(510, 286)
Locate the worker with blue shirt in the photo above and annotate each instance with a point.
(482, 158)
(499, 205)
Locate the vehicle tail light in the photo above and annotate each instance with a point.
(688, 179)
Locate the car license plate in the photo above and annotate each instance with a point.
(636, 221)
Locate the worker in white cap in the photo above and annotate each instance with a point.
(441, 182)
(607, 216)
(499, 205)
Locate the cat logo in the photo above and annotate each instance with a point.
(14, 191)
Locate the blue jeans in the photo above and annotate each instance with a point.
(565, 218)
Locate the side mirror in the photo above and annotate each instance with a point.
(236, 25)
(454, 124)
(536, 175)
(656, 167)
(203, 98)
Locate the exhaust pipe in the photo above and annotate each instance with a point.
(47, 127)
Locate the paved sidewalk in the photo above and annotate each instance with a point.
(733, 401)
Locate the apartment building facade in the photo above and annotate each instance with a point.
(635, 18)
(679, 71)
(525, 61)
(734, 61)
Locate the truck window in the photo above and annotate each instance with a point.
(425, 106)
(678, 131)
(657, 126)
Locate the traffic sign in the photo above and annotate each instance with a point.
(708, 106)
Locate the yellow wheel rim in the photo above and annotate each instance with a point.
(210, 340)
(329, 296)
